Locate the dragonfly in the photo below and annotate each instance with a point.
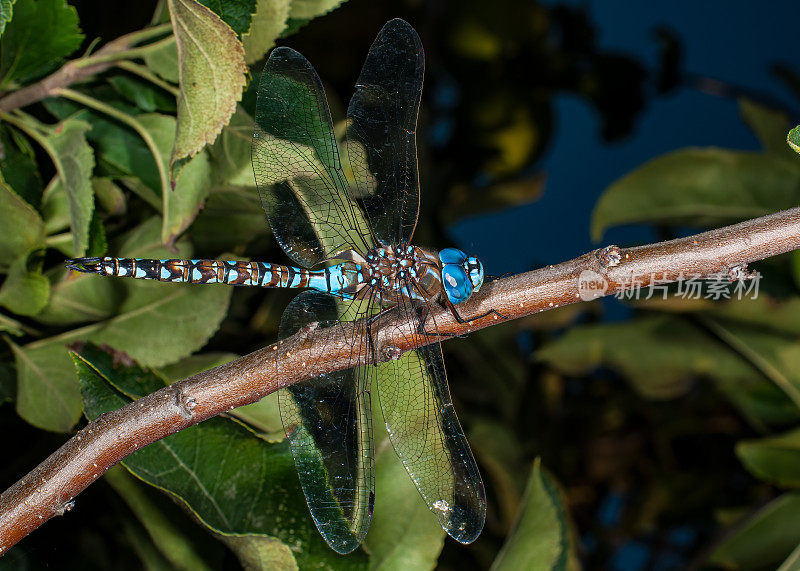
(347, 219)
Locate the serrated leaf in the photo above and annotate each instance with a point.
(23, 229)
(233, 481)
(47, 394)
(37, 39)
(236, 13)
(182, 203)
(542, 538)
(764, 540)
(212, 76)
(74, 162)
(6, 13)
(303, 11)
(699, 187)
(775, 459)
(25, 291)
(768, 125)
(268, 22)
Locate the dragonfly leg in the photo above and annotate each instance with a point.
(461, 320)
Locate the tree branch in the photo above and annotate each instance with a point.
(49, 489)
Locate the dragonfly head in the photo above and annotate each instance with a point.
(462, 275)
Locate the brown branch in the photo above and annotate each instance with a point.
(50, 488)
(76, 70)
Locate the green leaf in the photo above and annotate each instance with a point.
(212, 76)
(233, 481)
(775, 459)
(768, 125)
(259, 552)
(6, 12)
(164, 61)
(181, 204)
(146, 96)
(303, 11)
(792, 563)
(23, 229)
(236, 13)
(268, 22)
(25, 290)
(78, 298)
(47, 394)
(542, 538)
(231, 217)
(55, 207)
(37, 39)
(74, 162)
(764, 540)
(404, 533)
(231, 152)
(793, 139)
(699, 187)
(18, 165)
(109, 196)
(170, 540)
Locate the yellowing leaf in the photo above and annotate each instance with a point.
(267, 24)
(212, 74)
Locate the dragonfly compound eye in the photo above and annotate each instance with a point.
(456, 284)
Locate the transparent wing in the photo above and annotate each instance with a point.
(428, 438)
(328, 421)
(297, 167)
(381, 132)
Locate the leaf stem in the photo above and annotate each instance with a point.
(122, 118)
(145, 73)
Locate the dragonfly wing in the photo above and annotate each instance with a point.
(381, 132)
(428, 438)
(328, 422)
(297, 167)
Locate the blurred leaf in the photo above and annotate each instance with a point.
(231, 218)
(194, 364)
(542, 538)
(791, 563)
(78, 298)
(404, 533)
(146, 96)
(6, 13)
(236, 13)
(471, 39)
(18, 165)
(164, 61)
(256, 552)
(97, 237)
(47, 394)
(232, 480)
(23, 229)
(25, 291)
(74, 161)
(268, 22)
(231, 152)
(303, 11)
(181, 204)
(109, 197)
(699, 187)
(170, 541)
(11, 326)
(464, 201)
(212, 72)
(768, 125)
(55, 207)
(765, 539)
(36, 40)
(775, 459)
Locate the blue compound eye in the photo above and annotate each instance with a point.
(452, 256)
(457, 284)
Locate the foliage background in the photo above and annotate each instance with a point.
(621, 435)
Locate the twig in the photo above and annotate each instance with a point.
(79, 69)
(53, 485)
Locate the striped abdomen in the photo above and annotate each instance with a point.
(261, 274)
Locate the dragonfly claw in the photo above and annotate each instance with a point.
(85, 265)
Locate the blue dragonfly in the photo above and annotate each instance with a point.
(348, 225)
